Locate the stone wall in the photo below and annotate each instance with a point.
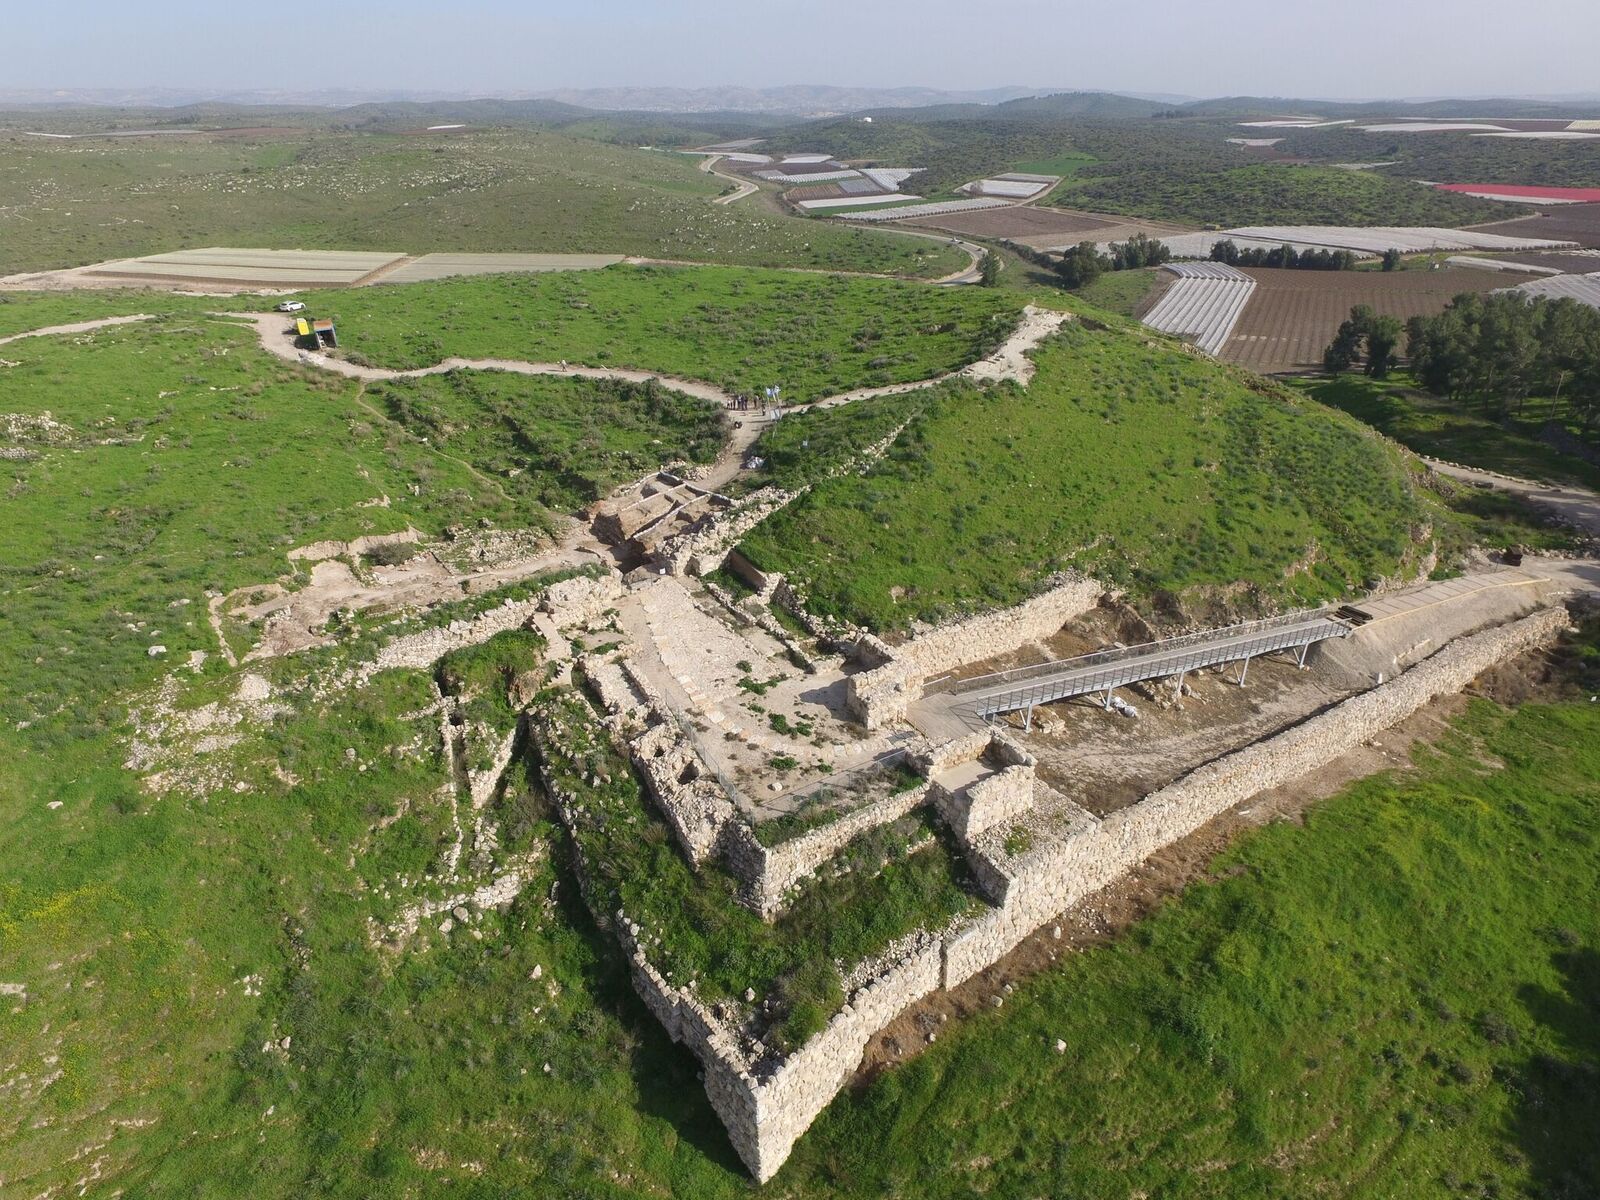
(768, 872)
(765, 584)
(992, 801)
(881, 696)
(695, 807)
(702, 549)
(1071, 868)
(582, 598)
(789, 1099)
(767, 1106)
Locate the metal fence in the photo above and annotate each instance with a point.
(1044, 683)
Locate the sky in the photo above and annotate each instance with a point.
(1332, 48)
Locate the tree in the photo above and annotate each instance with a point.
(1391, 259)
(1367, 335)
(1082, 265)
(1138, 251)
(989, 269)
(1383, 337)
(1225, 251)
(1341, 352)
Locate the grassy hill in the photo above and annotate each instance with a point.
(815, 335)
(1150, 467)
(67, 203)
(1226, 195)
(206, 1009)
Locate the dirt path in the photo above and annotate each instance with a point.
(1571, 503)
(1010, 361)
(746, 188)
(77, 327)
(1574, 505)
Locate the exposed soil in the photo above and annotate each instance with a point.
(1569, 222)
(1098, 919)
(1292, 315)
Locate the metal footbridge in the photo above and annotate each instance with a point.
(1102, 673)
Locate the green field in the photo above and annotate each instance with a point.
(1119, 291)
(1064, 165)
(69, 203)
(178, 457)
(815, 335)
(1136, 463)
(1270, 194)
(1439, 428)
(1393, 999)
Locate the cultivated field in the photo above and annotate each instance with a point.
(66, 203)
(1569, 222)
(1203, 303)
(1018, 223)
(445, 266)
(251, 268)
(1293, 315)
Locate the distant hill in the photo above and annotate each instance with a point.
(1232, 106)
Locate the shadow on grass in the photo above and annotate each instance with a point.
(1557, 1118)
(666, 1074)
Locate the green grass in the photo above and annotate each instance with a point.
(1439, 428)
(1139, 464)
(1395, 998)
(71, 203)
(1064, 165)
(547, 443)
(1268, 194)
(1119, 291)
(189, 460)
(23, 312)
(893, 884)
(814, 335)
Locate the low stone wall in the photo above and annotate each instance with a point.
(582, 598)
(768, 872)
(766, 1107)
(703, 549)
(1078, 865)
(765, 584)
(881, 696)
(694, 806)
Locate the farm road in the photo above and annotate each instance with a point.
(1575, 505)
(746, 188)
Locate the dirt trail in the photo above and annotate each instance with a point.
(746, 187)
(1010, 361)
(1576, 506)
(77, 327)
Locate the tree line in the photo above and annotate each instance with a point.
(1491, 351)
(1084, 263)
(1230, 252)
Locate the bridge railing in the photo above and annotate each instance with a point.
(1145, 650)
(1068, 680)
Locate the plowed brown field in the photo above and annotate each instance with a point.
(1293, 315)
(1569, 222)
(1023, 221)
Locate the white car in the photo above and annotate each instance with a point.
(291, 306)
